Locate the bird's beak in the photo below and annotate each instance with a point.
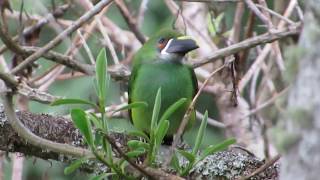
(182, 45)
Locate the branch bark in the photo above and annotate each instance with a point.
(233, 163)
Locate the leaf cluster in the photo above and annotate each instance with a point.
(95, 128)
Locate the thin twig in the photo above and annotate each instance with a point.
(211, 122)
(275, 45)
(266, 103)
(261, 16)
(246, 78)
(63, 59)
(77, 24)
(248, 43)
(263, 167)
(142, 10)
(132, 23)
(87, 48)
(122, 154)
(289, 21)
(40, 23)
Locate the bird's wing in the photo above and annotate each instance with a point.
(194, 80)
(130, 86)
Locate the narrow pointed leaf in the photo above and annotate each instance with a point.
(156, 110)
(172, 109)
(189, 156)
(215, 148)
(175, 163)
(101, 74)
(82, 123)
(162, 131)
(74, 166)
(135, 153)
(95, 120)
(123, 167)
(139, 134)
(72, 101)
(135, 144)
(200, 133)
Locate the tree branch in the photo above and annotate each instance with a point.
(248, 43)
(61, 130)
(43, 21)
(35, 140)
(77, 24)
(132, 23)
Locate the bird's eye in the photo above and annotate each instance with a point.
(162, 43)
(161, 40)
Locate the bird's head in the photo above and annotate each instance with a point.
(167, 44)
(172, 45)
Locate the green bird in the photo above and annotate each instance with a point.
(159, 63)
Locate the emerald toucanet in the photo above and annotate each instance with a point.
(158, 63)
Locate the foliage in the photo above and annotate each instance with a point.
(95, 128)
(193, 157)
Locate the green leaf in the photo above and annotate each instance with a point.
(135, 153)
(101, 75)
(217, 21)
(139, 134)
(175, 163)
(162, 131)
(74, 166)
(189, 156)
(135, 144)
(102, 176)
(156, 110)
(98, 138)
(72, 101)
(80, 120)
(172, 109)
(123, 166)
(132, 106)
(95, 120)
(214, 23)
(215, 148)
(200, 133)
(211, 27)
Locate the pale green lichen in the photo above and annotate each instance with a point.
(222, 165)
(282, 139)
(292, 55)
(300, 117)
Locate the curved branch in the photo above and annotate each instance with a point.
(35, 140)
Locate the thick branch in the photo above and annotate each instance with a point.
(57, 129)
(31, 138)
(61, 130)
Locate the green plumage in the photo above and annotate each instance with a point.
(150, 72)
